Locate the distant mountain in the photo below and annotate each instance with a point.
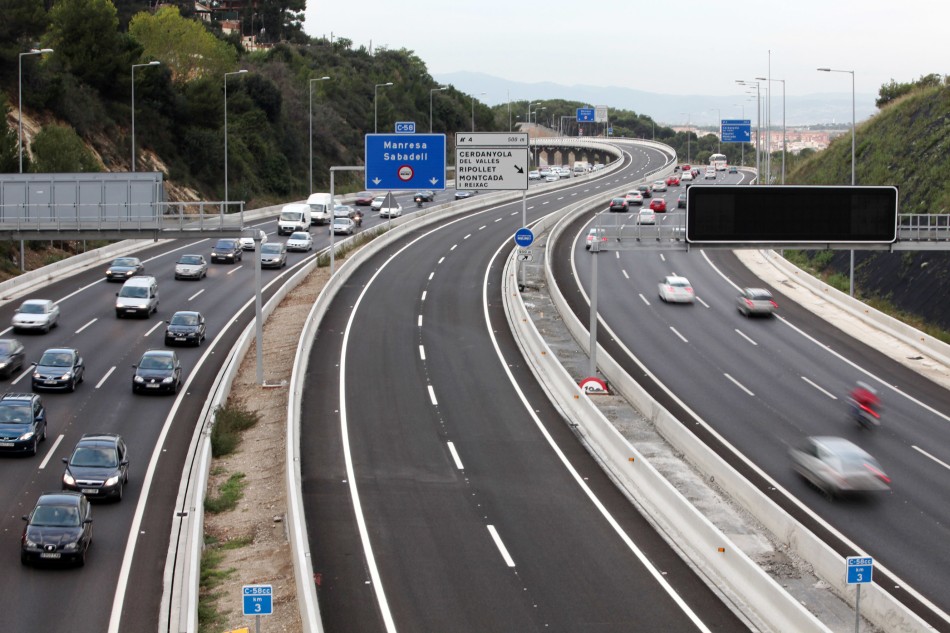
(824, 108)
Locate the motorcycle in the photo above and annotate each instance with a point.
(358, 219)
(419, 200)
(866, 417)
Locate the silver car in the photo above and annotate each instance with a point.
(343, 226)
(837, 466)
(191, 267)
(755, 301)
(300, 241)
(36, 314)
(273, 255)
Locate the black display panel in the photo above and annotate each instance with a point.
(791, 214)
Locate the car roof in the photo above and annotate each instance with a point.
(676, 278)
(105, 438)
(59, 498)
(187, 312)
(159, 352)
(38, 301)
(61, 350)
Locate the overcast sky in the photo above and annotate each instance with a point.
(677, 47)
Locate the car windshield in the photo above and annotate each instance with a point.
(156, 362)
(270, 248)
(94, 457)
(7, 346)
(760, 294)
(299, 236)
(56, 359)
(15, 413)
(190, 259)
(342, 221)
(125, 261)
(291, 216)
(225, 245)
(184, 319)
(33, 308)
(135, 292)
(56, 516)
(679, 283)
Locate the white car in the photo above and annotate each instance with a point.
(676, 289)
(343, 211)
(247, 243)
(646, 216)
(710, 174)
(390, 212)
(36, 314)
(634, 197)
(191, 267)
(552, 177)
(377, 203)
(534, 174)
(595, 233)
(300, 241)
(686, 176)
(659, 185)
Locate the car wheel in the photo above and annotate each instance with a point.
(36, 446)
(24, 559)
(43, 438)
(81, 561)
(119, 496)
(72, 386)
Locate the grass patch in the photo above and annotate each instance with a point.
(231, 492)
(912, 320)
(210, 620)
(229, 421)
(346, 247)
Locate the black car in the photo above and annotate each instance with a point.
(12, 356)
(98, 466)
(22, 423)
(645, 191)
(159, 370)
(681, 201)
(426, 195)
(185, 327)
(618, 204)
(58, 529)
(59, 368)
(122, 268)
(228, 251)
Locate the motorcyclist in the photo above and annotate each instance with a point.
(864, 401)
(358, 218)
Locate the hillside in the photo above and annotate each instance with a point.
(907, 144)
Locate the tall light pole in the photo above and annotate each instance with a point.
(480, 94)
(719, 117)
(440, 88)
(310, 119)
(853, 180)
(236, 72)
(528, 116)
(32, 51)
(758, 125)
(688, 116)
(784, 145)
(375, 111)
(741, 145)
(134, 66)
(768, 125)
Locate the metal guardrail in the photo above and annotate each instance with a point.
(926, 227)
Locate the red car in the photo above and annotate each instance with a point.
(673, 181)
(658, 205)
(364, 198)
(685, 168)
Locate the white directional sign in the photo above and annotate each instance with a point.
(504, 168)
(492, 139)
(600, 114)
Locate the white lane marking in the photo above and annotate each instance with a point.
(431, 275)
(662, 257)
(441, 259)
(546, 202)
(682, 338)
(25, 372)
(106, 377)
(422, 353)
(706, 305)
(86, 325)
(454, 246)
(235, 269)
(626, 275)
(194, 296)
(49, 453)
(467, 236)
(424, 295)
(926, 454)
(419, 321)
(739, 332)
(435, 402)
(516, 213)
(821, 389)
(482, 227)
(561, 198)
(739, 384)
(155, 327)
(644, 299)
(455, 456)
(501, 546)
(498, 219)
(618, 252)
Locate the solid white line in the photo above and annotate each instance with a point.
(419, 321)
(196, 294)
(706, 305)
(745, 337)
(422, 353)
(926, 454)
(501, 546)
(683, 338)
(86, 325)
(824, 391)
(455, 456)
(626, 275)
(104, 378)
(644, 299)
(155, 327)
(49, 453)
(423, 295)
(739, 384)
(435, 402)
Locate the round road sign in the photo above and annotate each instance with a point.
(405, 173)
(524, 237)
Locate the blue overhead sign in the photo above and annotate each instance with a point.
(405, 161)
(585, 115)
(258, 599)
(736, 130)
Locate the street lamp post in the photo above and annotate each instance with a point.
(375, 110)
(758, 126)
(481, 94)
(134, 66)
(310, 119)
(33, 51)
(853, 179)
(784, 144)
(236, 72)
(688, 124)
(440, 88)
(719, 117)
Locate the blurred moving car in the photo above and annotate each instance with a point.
(658, 205)
(98, 467)
(343, 211)
(752, 301)
(159, 370)
(274, 255)
(425, 194)
(185, 327)
(364, 198)
(686, 177)
(12, 356)
(58, 529)
(247, 241)
(673, 181)
(618, 204)
(58, 368)
(122, 268)
(646, 216)
(676, 289)
(461, 195)
(534, 174)
(681, 201)
(22, 423)
(344, 226)
(710, 174)
(191, 267)
(645, 191)
(377, 202)
(300, 241)
(733, 169)
(837, 466)
(634, 198)
(659, 185)
(36, 314)
(595, 233)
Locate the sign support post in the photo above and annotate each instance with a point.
(860, 572)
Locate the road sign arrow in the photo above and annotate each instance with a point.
(376, 181)
(433, 181)
(520, 169)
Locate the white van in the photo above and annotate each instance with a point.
(321, 208)
(293, 217)
(138, 297)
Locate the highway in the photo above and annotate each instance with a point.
(764, 384)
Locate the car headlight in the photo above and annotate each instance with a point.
(66, 376)
(111, 481)
(138, 379)
(69, 547)
(3, 364)
(68, 479)
(27, 436)
(31, 543)
(165, 381)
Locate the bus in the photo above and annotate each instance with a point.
(718, 161)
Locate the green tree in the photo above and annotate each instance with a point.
(185, 46)
(9, 151)
(22, 25)
(85, 37)
(280, 20)
(57, 149)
